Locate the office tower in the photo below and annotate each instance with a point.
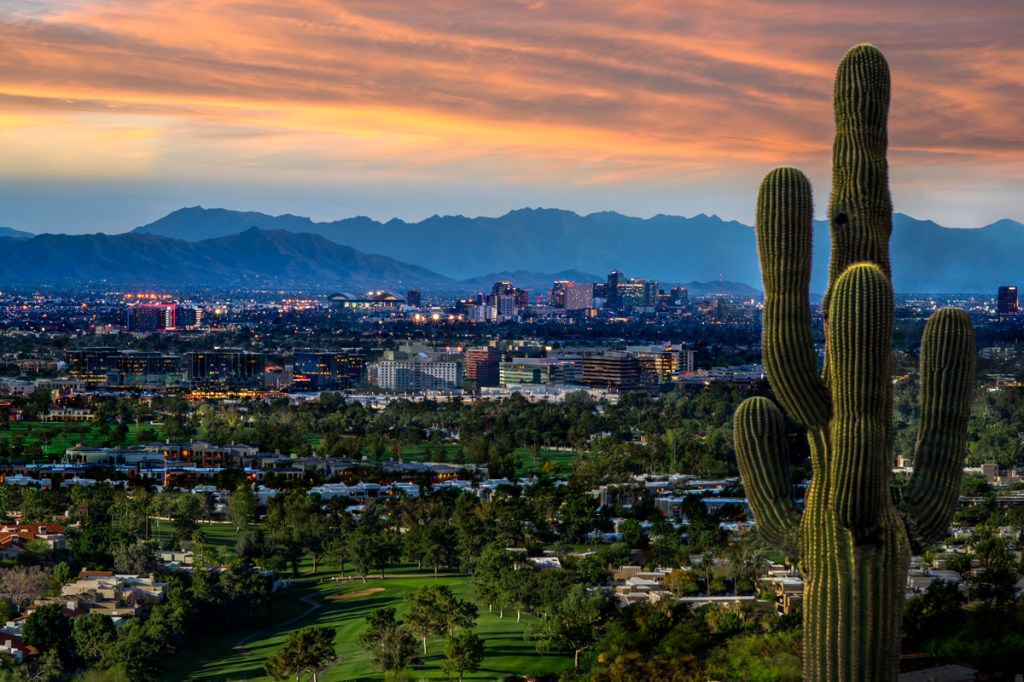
(503, 288)
(505, 307)
(612, 299)
(224, 367)
(613, 370)
(679, 297)
(1006, 306)
(631, 294)
(189, 318)
(424, 372)
(329, 369)
(91, 364)
(482, 365)
(578, 295)
(414, 298)
(152, 317)
(557, 294)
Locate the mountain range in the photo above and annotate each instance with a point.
(531, 247)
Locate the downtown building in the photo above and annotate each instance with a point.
(111, 366)
(420, 373)
(329, 369)
(481, 365)
(226, 367)
(1006, 304)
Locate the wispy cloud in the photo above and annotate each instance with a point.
(579, 93)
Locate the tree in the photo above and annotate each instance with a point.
(186, 511)
(23, 584)
(297, 524)
(94, 635)
(48, 628)
(424, 615)
(242, 507)
(571, 624)
(310, 650)
(464, 652)
(137, 558)
(388, 641)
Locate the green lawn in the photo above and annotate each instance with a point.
(217, 659)
(55, 438)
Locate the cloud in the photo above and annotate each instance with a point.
(582, 93)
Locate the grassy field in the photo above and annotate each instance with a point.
(55, 438)
(218, 658)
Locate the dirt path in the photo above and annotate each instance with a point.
(308, 599)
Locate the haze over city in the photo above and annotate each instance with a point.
(115, 113)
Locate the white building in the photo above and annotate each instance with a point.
(423, 372)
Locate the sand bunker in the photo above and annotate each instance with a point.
(357, 594)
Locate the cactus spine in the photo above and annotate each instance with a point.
(852, 540)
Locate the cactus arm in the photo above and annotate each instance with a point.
(784, 225)
(947, 372)
(764, 468)
(860, 334)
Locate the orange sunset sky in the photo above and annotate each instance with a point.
(115, 112)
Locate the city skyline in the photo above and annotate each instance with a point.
(116, 113)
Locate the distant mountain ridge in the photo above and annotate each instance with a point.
(926, 257)
(251, 258)
(16, 234)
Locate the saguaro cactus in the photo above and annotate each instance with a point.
(853, 541)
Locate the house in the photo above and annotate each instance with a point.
(112, 594)
(52, 533)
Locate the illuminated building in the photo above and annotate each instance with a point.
(423, 372)
(482, 365)
(612, 370)
(578, 296)
(560, 370)
(679, 297)
(224, 367)
(332, 369)
(556, 297)
(1006, 304)
(105, 365)
(152, 317)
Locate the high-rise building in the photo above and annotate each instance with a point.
(330, 369)
(679, 297)
(632, 294)
(613, 370)
(413, 298)
(503, 288)
(91, 364)
(505, 307)
(482, 365)
(557, 295)
(224, 367)
(104, 365)
(650, 293)
(189, 318)
(578, 295)
(612, 299)
(421, 373)
(152, 317)
(1006, 305)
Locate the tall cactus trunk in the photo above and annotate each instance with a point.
(853, 598)
(852, 540)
